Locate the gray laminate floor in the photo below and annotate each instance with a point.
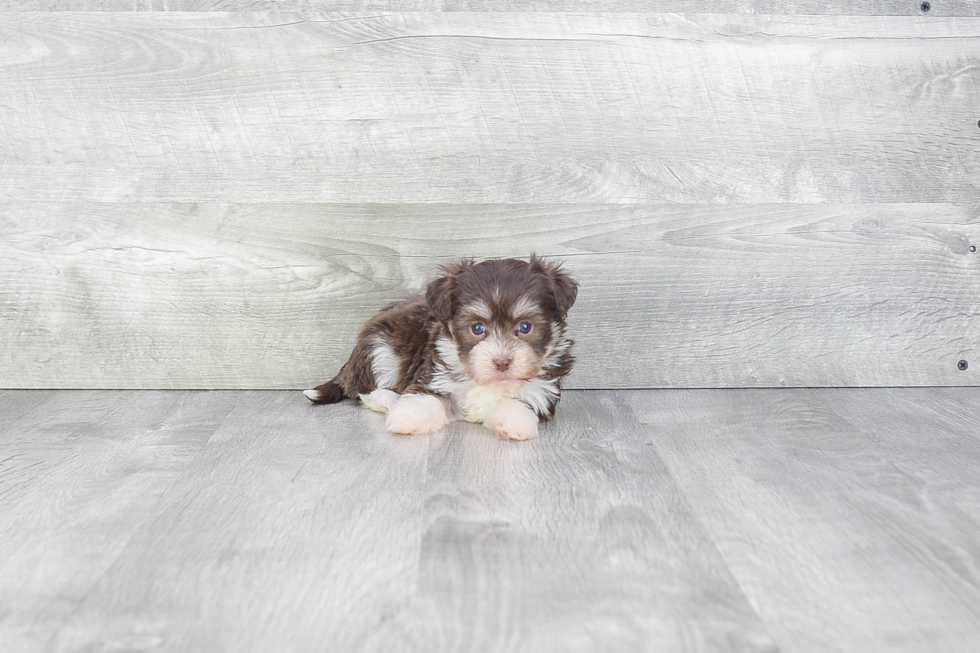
(682, 520)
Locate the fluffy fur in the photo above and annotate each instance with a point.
(486, 343)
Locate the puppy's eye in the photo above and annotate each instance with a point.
(524, 327)
(478, 329)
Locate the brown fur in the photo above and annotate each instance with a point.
(413, 326)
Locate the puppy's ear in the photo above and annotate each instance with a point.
(440, 293)
(563, 288)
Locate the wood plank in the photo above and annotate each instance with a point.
(225, 296)
(80, 474)
(577, 541)
(931, 436)
(747, 520)
(299, 528)
(840, 541)
(807, 7)
(15, 404)
(467, 107)
(296, 529)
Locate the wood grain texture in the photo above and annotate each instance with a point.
(79, 475)
(296, 529)
(302, 528)
(578, 541)
(786, 7)
(848, 518)
(490, 107)
(17, 404)
(238, 296)
(790, 521)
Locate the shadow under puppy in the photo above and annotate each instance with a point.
(485, 343)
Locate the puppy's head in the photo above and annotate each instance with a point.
(504, 316)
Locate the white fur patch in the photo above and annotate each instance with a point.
(417, 415)
(479, 309)
(445, 374)
(385, 365)
(448, 354)
(538, 393)
(553, 359)
(512, 420)
(311, 394)
(524, 307)
(380, 401)
(477, 401)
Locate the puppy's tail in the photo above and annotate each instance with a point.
(329, 393)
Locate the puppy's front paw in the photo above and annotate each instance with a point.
(380, 400)
(512, 420)
(416, 415)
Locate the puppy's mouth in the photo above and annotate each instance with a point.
(506, 376)
(506, 382)
(498, 380)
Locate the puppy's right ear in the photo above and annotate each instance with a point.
(564, 289)
(441, 291)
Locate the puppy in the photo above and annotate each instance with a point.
(485, 343)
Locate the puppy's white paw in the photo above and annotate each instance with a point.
(380, 401)
(512, 420)
(416, 415)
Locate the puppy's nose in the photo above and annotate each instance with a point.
(502, 363)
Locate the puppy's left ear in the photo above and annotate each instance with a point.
(563, 287)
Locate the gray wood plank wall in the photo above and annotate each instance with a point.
(790, 7)
(760, 194)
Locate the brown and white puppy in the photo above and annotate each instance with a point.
(486, 343)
